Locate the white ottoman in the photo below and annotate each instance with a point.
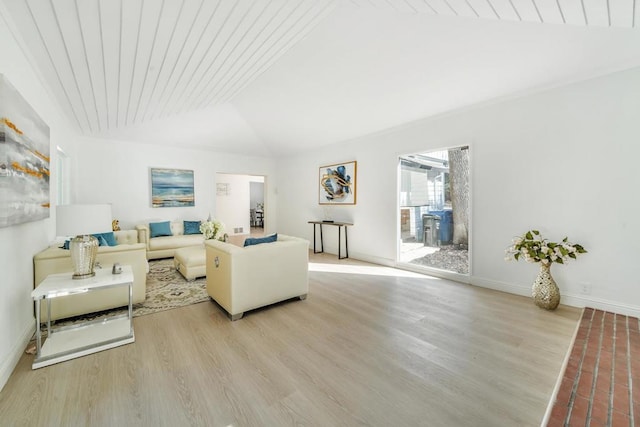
(191, 262)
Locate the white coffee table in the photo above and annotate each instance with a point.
(69, 342)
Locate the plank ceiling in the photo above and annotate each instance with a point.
(114, 63)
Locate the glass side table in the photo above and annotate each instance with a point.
(68, 342)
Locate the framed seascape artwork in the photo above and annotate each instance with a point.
(24, 159)
(171, 188)
(337, 184)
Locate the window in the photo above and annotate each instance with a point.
(434, 209)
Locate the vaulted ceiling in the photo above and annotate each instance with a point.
(275, 77)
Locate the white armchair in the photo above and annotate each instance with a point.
(242, 279)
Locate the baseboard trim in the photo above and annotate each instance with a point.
(600, 304)
(372, 259)
(501, 286)
(572, 300)
(441, 274)
(15, 353)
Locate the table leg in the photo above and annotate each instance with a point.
(38, 331)
(346, 243)
(315, 251)
(131, 308)
(48, 317)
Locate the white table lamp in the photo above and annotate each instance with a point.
(82, 221)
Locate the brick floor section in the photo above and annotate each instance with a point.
(601, 384)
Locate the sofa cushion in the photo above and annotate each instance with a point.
(126, 237)
(158, 229)
(174, 242)
(250, 241)
(192, 227)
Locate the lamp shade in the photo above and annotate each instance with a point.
(77, 220)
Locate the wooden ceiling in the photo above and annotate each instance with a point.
(113, 64)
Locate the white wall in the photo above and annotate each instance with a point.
(563, 161)
(118, 173)
(21, 242)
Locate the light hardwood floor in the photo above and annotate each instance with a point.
(370, 346)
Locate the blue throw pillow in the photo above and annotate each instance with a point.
(160, 229)
(65, 245)
(109, 238)
(192, 227)
(250, 241)
(101, 240)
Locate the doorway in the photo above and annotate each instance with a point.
(256, 203)
(434, 210)
(237, 198)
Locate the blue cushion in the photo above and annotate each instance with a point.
(160, 229)
(101, 240)
(65, 245)
(192, 227)
(250, 241)
(109, 238)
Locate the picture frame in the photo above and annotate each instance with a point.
(337, 183)
(172, 188)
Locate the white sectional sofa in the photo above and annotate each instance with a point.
(244, 278)
(127, 252)
(165, 246)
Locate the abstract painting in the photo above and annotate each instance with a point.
(24, 159)
(171, 188)
(337, 184)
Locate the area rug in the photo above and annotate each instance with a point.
(166, 289)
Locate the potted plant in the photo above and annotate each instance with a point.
(212, 229)
(532, 247)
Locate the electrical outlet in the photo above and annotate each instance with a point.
(585, 288)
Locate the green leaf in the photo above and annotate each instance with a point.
(516, 256)
(572, 255)
(536, 232)
(565, 240)
(559, 261)
(528, 235)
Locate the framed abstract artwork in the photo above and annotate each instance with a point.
(171, 188)
(337, 184)
(24, 160)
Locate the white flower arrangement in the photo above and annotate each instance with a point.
(533, 248)
(212, 229)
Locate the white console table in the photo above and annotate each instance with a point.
(69, 342)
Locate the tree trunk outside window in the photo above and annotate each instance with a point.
(459, 177)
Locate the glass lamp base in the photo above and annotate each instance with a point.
(83, 256)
